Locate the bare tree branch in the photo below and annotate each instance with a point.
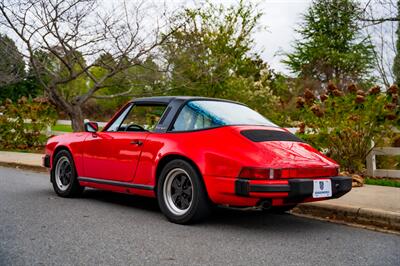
(64, 38)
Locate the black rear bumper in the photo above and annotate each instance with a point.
(296, 188)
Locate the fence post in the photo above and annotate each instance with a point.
(371, 163)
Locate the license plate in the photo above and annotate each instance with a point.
(322, 188)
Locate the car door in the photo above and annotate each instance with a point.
(114, 153)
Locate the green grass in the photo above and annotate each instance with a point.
(63, 128)
(382, 182)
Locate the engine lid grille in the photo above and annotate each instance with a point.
(260, 135)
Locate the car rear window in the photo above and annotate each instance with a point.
(202, 114)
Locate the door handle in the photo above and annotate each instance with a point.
(137, 142)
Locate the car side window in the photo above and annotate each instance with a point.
(140, 118)
(191, 119)
(117, 122)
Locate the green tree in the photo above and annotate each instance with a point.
(28, 87)
(331, 45)
(133, 82)
(211, 55)
(396, 62)
(14, 81)
(211, 47)
(345, 124)
(12, 65)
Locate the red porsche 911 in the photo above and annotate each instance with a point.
(191, 153)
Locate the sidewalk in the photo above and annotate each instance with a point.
(368, 205)
(33, 160)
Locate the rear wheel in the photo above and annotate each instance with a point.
(181, 194)
(63, 175)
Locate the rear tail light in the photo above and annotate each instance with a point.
(271, 173)
(259, 173)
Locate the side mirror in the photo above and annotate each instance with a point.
(91, 127)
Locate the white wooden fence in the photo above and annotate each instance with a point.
(371, 162)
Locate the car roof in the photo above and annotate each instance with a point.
(168, 99)
(174, 104)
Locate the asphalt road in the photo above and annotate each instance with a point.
(102, 228)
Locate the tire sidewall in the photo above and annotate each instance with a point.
(74, 182)
(196, 193)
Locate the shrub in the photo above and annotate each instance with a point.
(23, 124)
(346, 126)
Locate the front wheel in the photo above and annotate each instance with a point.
(63, 175)
(181, 193)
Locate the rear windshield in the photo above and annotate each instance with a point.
(202, 114)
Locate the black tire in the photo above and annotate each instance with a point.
(171, 183)
(66, 186)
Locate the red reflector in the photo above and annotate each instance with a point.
(269, 173)
(309, 172)
(254, 173)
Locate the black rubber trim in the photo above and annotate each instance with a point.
(301, 187)
(269, 188)
(259, 135)
(242, 187)
(115, 183)
(46, 161)
(297, 188)
(341, 185)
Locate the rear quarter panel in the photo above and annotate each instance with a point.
(219, 154)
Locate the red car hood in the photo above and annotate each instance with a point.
(288, 153)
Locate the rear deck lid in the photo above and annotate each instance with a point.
(285, 150)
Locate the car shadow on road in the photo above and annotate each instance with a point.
(263, 220)
(126, 200)
(220, 217)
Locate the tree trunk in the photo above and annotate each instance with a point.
(76, 119)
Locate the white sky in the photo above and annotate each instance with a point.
(278, 24)
(280, 19)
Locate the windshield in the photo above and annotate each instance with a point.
(202, 114)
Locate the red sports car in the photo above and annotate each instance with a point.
(191, 153)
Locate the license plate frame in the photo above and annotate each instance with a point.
(322, 188)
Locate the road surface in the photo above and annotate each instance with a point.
(103, 228)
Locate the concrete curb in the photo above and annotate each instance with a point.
(36, 168)
(365, 216)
